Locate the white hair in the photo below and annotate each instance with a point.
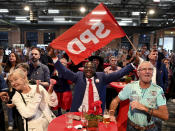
(144, 62)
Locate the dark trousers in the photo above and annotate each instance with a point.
(2, 120)
(111, 93)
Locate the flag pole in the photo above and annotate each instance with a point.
(131, 43)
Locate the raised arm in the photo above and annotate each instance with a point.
(119, 74)
(67, 74)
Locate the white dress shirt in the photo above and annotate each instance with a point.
(86, 95)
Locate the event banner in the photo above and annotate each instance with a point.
(91, 33)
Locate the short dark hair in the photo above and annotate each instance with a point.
(36, 48)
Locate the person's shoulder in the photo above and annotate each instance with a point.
(16, 96)
(43, 66)
(155, 86)
(133, 83)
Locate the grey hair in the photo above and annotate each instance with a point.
(144, 62)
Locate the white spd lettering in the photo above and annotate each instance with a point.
(87, 36)
(78, 43)
(100, 29)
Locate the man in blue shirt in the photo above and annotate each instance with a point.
(147, 100)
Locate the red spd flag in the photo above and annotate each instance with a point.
(91, 33)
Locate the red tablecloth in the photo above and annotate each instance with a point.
(123, 108)
(59, 124)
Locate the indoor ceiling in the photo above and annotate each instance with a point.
(67, 12)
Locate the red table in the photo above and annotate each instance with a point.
(59, 124)
(123, 108)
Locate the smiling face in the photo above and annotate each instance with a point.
(89, 69)
(18, 79)
(145, 72)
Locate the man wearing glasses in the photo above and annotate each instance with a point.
(146, 101)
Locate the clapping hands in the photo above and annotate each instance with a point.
(52, 83)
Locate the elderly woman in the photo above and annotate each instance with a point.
(32, 101)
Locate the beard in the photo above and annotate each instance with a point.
(34, 59)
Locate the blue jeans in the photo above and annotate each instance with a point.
(131, 128)
(10, 116)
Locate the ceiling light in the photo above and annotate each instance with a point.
(156, 0)
(4, 10)
(135, 13)
(82, 9)
(53, 11)
(20, 18)
(122, 23)
(127, 21)
(151, 11)
(98, 12)
(26, 8)
(37, 1)
(59, 19)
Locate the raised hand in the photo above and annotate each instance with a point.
(52, 83)
(37, 86)
(4, 96)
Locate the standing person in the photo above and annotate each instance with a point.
(111, 93)
(98, 61)
(63, 91)
(11, 63)
(3, 89)
(3, 57)
(160, 76)
(147, 100)
(90, 79)
(37, 70)
(160, 73)
(32, 101)
(113, 65)
(144, 52)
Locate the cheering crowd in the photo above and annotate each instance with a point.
(37, 85)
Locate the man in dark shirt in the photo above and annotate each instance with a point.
(37, 70)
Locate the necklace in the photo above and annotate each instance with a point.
(143, 91)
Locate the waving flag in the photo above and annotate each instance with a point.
(93, 32)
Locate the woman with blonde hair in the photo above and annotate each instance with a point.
(32, 101)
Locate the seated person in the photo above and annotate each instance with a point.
(32, 101)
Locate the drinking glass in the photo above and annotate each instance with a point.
(83, 113)
(106, 117)
(69, 120)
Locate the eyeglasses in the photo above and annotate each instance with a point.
(146, 69)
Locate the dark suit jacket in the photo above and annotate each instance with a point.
(162, 76)
(80, 83)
